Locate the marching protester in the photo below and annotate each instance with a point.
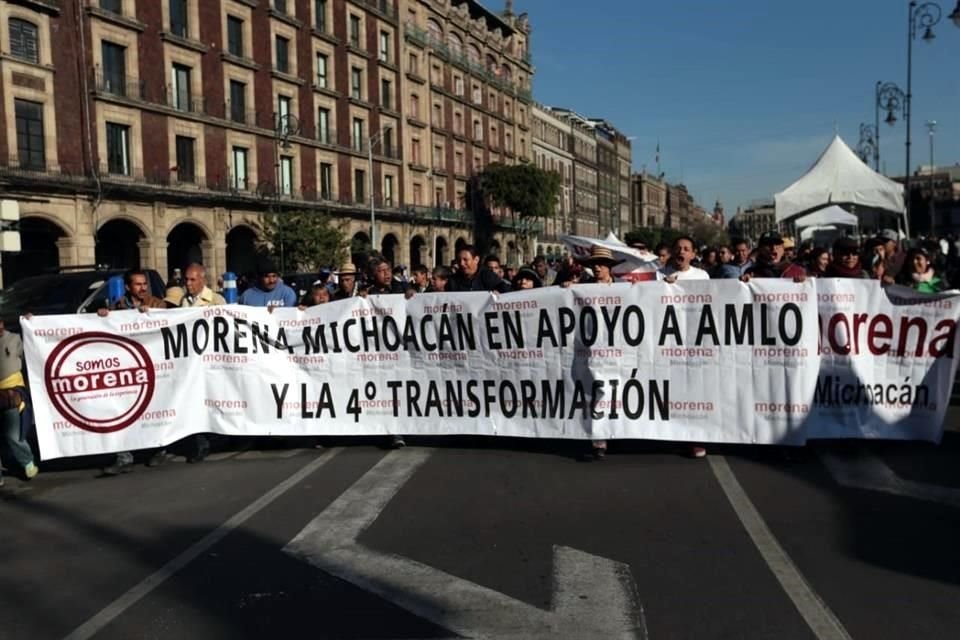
(817, 262)
(709, 259)
(346, 282)
(382, 282)
(136, 296)
(472, 277)
(918, 273)
(663, 253)
(15, 411)
(270, 291)
(681, 266)
(601, 261)
(492, 262)
(440, 280)
(741, 262)
(770, 262)
(894, 256)
(526, 278)
(543, 270)
(846, 260)
(318, 294)
(198, 294)
(420, 282)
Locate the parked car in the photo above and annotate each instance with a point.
(64, 292)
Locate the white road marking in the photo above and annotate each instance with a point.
(92, 626)
(593, 597)
(867, 471)
(818, 616)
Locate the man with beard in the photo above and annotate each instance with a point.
(270, 290)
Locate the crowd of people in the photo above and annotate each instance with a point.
(927, 267)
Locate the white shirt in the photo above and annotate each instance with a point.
(692, 273)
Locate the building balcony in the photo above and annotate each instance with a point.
(441, 214)
(119, 85)
(238, 114)
(183, 101)
(386, 8)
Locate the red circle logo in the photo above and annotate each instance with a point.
(100, 382)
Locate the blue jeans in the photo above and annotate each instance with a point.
(10, 434)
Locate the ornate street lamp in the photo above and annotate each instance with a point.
(890, 98)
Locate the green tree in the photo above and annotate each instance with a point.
(303, 240)
(528, 191)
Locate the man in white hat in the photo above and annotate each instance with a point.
(347, 282)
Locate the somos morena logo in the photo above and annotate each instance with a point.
(100, 382)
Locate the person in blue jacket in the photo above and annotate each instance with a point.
(270, 291)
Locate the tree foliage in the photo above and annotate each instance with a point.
(303, 240)
(528, 191)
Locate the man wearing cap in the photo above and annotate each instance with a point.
(846, 260)
(269, 291)
(346, 282)
(770, 262)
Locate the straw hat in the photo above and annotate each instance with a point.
(174, 296)
(347, 269)
(599, 255)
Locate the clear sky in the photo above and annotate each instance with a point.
(744, 95)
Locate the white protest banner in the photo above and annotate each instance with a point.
(703, 361)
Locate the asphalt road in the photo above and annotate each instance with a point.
(501, 538)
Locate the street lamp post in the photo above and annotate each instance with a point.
(931, 128)
(890, 98)
(371, 142)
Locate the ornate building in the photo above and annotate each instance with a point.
(157, 132)
(552, 152)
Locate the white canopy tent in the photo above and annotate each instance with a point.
(832, 215)
(839, 177)
(808, 232)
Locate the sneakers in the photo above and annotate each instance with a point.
(31, 471)
(117, 468)
(397, 442)
(698, 452)
(158, 458)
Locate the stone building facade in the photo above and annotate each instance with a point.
(552, 152)
(158, 132)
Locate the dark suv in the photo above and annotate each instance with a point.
(66, 292)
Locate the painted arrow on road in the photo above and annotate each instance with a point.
(593, 597)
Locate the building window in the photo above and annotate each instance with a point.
(280, 6)
(386, 142)
(413, 64)
(322, 70)
(436, 75)
(323, 125)
(178, 18)
(30, 151)
(186, 166)
(238, 101)
(113, 6)
(458, 123)
(458, 165)
(477, 95)
(386, 90)
(458, 85)
(23, 40)
(388, 191)
(180, 88)
(240, 168)
(235, 36)
(417, 193)
(114, 59)
(118, 149)
(284, 109)
(320, 15)
(326, 181)
(356, 135)
(437, 119)
(415, 151)
(356, 83)
(438, 158)
(283, 54)
(384, 46)
(415, 106)
(477, 131)
(508, 142)
(286, 175)
(354, 31)
(359, 182)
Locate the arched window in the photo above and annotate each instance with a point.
(455, 44)
(506, 73)
(23, 40)
(435, 30)
(473, 54)
(492, 65)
